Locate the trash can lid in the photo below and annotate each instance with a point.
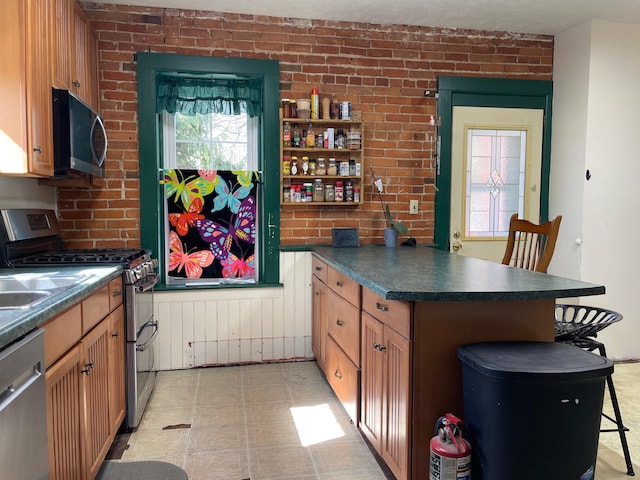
(532, 359)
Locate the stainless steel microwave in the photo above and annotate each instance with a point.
(79, 137)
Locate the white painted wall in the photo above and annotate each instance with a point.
(238, 325)
(17, 192)
(596, 126)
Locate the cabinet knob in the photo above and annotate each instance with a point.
(117, 293)
(339, 322)
(37, 149)
(339, 284)
(76, 83)
(87, 368)
(338, 375)
(318, 269)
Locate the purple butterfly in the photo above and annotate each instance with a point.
(242, 227)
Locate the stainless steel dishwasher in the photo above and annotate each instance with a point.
(23, 410)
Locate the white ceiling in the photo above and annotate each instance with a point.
(521, 16)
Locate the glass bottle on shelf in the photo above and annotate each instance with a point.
(332, 169)
(286, 134)
(311, 136)
(295, 136)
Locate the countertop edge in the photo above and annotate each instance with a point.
(31, 319)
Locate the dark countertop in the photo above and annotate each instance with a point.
(425, 274)
(14, 323)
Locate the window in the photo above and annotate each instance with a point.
(209, 141)
(495, 180)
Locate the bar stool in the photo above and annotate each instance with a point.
(579, 325)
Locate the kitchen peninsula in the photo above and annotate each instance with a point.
(387, 323)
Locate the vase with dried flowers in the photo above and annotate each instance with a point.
(393, 227)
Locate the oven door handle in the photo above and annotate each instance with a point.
(150, 323)
(147, 284)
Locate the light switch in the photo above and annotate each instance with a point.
(413, 207)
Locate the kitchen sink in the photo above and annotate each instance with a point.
(26, 290)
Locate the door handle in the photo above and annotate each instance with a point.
(456, 246)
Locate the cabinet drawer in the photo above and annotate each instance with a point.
(394, 313)
(115, 293)
(319, 268)
(343, 376)
(61, 333)
(94, 308)
(344, 286)
(343, 321)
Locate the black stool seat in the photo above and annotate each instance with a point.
(579, 326)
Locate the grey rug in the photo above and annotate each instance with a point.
(143, 470)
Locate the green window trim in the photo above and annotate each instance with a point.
(149, 67)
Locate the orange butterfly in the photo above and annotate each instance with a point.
(191, 262)
(182, 221)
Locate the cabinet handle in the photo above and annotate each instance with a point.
(384, 308)
(117, 293)
(379, 347)
(318, 269)
(76, 83)
(37, 149)
(339, 322)
(115, 334)
(339, 284)
(316, 293)
(87, 368)
(338, 375)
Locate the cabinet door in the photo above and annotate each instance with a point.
(319, 320)
(85, 61)
(39, 109)
(96, 431)
(63, 417)
(372, 368)
(63, 42)
(117, 397)
(396, 375)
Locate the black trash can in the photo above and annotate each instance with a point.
(532, 409)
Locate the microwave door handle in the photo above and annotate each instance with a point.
(97, 122)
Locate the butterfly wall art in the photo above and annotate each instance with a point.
(211, 223)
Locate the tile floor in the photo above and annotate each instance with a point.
(282, 422)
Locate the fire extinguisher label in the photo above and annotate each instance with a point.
(445, 468)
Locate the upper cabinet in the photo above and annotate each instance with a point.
(25, 118)
(75, 52)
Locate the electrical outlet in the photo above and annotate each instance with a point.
(413, 207)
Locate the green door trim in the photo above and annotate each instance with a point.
(486, 92)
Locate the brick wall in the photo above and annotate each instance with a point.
(382, 69)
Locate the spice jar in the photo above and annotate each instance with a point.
(305, 166)
(286, 108)
(329, 193)
(348, 191)
(339, 191)
(332, 169)
(321, 169)
(286, 134)
(295, 169)
(308, 192)
(318, 190)
(344, 169)
(313, 166)
(286, 165)
(352, 168)
(294, 108)
(356, 195)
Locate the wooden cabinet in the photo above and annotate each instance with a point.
(341, 321)
(385, 393)
(75, 52)
(25, 118)
(319, 308)
(302, 177)
(85, 384)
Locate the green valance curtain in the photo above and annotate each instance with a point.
(190, 96)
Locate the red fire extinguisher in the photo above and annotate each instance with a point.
(450, 454)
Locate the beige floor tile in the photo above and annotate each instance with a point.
(243, 425)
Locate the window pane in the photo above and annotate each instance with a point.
(193, 155)
(192, 128)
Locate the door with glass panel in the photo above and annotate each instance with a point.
(496, 156)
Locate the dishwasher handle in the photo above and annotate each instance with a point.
(19, 385)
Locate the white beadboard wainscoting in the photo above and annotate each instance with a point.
(237, 325)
